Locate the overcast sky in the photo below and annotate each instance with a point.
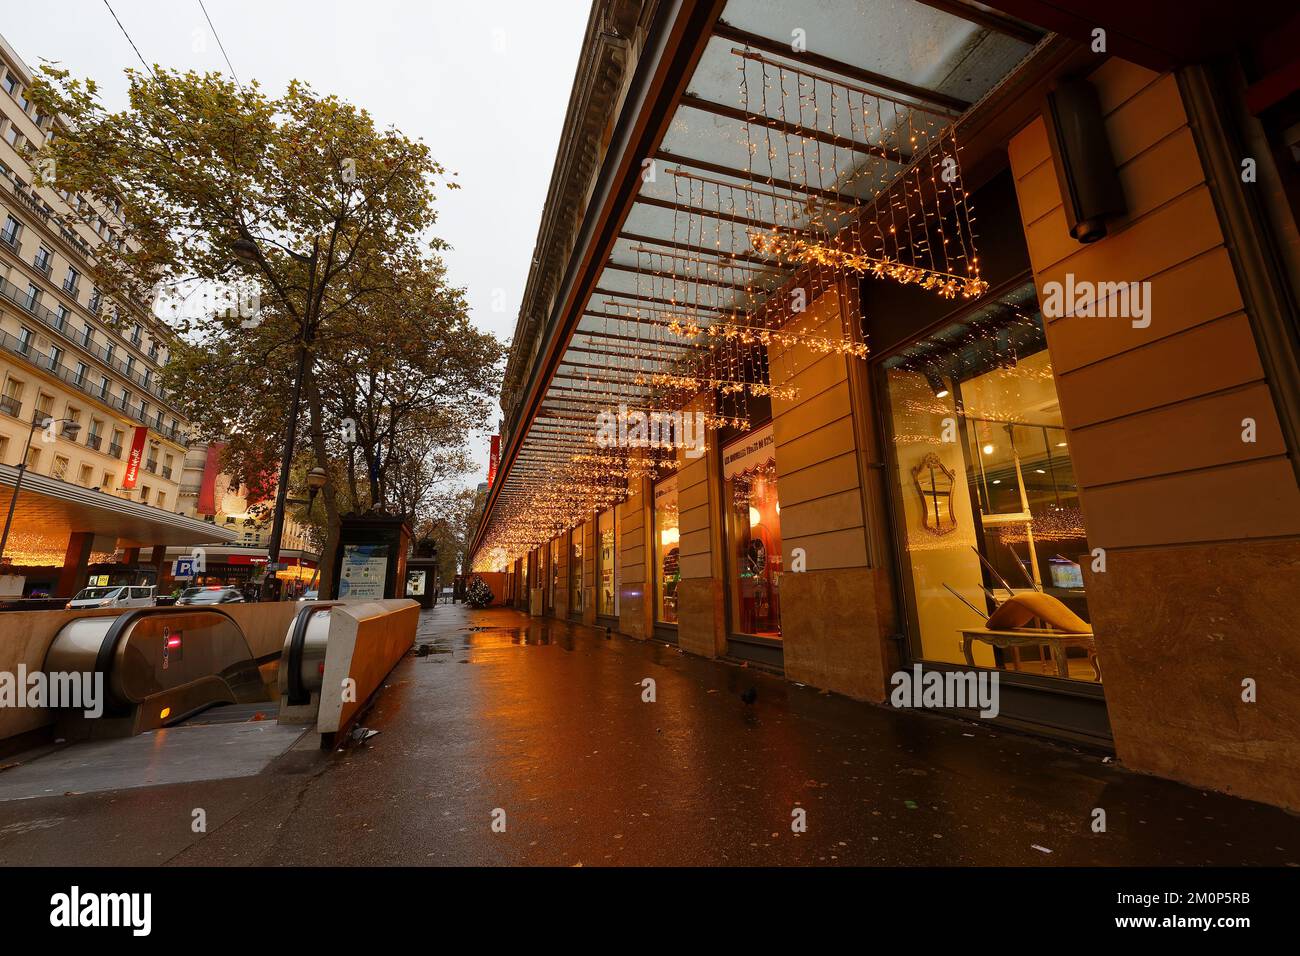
(484, 83)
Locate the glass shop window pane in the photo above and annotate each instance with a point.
(986, 496)
(666, 550)
(575, 569)
(605, 603)
(753, 533)
(555, 573)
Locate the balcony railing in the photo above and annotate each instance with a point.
(11, 406)
(115, 450)
(16, 346)
(30, 201)
(44, 268)
(166, 472)
(10, 239)
(104, 354)
(151, 466)
(34, 205)
(94, 441)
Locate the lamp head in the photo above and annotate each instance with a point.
(244, 249)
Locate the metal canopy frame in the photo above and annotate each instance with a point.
(555, 397)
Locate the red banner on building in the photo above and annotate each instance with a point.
(135, 456)
(494, 458)
(208, 483)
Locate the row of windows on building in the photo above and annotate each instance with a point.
(92, 382)
(86, 474)
(11, 404)
(15, 88)
(95, 218)
(43, 262)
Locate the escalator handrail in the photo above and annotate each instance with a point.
(295, 691)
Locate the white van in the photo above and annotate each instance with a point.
(113, 596)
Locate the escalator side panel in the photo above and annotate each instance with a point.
(160, 665)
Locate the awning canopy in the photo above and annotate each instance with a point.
(49, 511)
(795, 116)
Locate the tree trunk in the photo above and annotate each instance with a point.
(352, 477)
(315, 417)
(325, 584)
(372, 473)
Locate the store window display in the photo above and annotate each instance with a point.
(754, 533)
(986, 502)
(575, 570)
(554, 584)
(607, 593)
(667, 539)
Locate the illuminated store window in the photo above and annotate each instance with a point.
(753, 533)
(987, 503)
(608, 590)
(666, 550)
(555, 573)
(575, 570)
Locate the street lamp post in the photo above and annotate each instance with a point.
(70, 429)
(316, 479)
(247, 250)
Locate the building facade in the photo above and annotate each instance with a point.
(991, 313)
(69, 355)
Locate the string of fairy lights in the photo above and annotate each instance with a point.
(841, 182)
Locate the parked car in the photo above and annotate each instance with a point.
(211, 594)
(310, 596)
(113, 596)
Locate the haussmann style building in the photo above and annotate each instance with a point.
(100, 495)
(870, 336)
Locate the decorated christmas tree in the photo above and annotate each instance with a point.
(478, 594)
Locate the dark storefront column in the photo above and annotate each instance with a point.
(74, 574)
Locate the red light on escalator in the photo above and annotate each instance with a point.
(174, 641)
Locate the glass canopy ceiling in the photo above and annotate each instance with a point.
(797, 115)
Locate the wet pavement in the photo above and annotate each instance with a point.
(542, 725)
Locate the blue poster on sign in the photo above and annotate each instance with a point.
(363, 571)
